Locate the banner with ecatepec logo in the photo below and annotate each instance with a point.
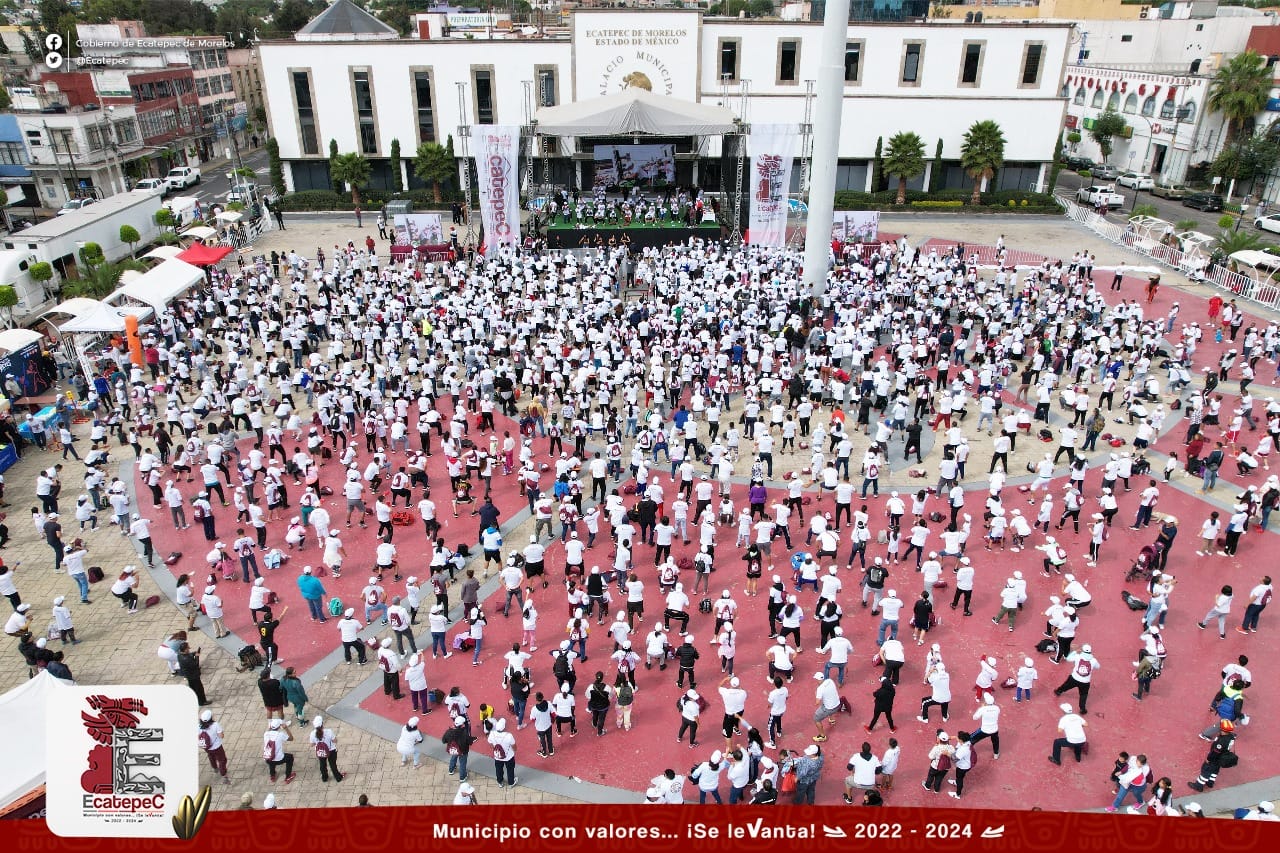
(772, 148)
(497, 169)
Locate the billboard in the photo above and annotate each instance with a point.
(635, 165)
(418, 229)
(856, 226)
(657, 51)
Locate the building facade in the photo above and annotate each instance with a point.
(933, 78)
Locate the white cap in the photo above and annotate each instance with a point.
(1018, 575)
(258, 581)
(1266, 806)
(306, 570)
(991, 661)
(1068, 578)
(58, 600)
(811, 749)
(1066, 707)
(209, 590)
(988, 699)
(350, 611)
(716, 756)
(275, 723)
(893, 593)
(386, 642)
(466, 788)
(206, 715)
(733, 682)
(413, 721)
(1087, 649)
(269, 802)
(1028, 662)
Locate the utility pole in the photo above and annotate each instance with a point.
(53, 143)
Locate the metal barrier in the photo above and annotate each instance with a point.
(1237, 284)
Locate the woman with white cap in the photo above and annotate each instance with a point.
(123, 589)
(466, 795)
(409, 745)
(62, 621)
(707, 777)
(210, 740)
(940, 762)
(325, 743)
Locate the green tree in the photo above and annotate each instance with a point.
(1108, 126)
(1240, 90)
(433, 164)
(164, 218)
(936, 175)
(1230, 241)
(1074, 137)
(293, 15)
(91, 254)
(905, 158)
(353, 170)
(8, 301)
(333, 155)
(275, 167)
(5, 100)
(51, 13)
(1055, 168)
(395, 14)
(397, 183)
(877, 166)
(1144, 210)
(981, 153)
(130, 235)
(41, 273)
(100, 281)
(1250, 158)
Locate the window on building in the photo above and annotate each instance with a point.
(1079, 98)
(1167, 109)
(1113, 103)
(1098, 99)
(728, 59)
(1126, 39)
(93, 138)
(1131, 104)
(971, 64)
(853, 62)
(911, 55)
(484, 96)
(546, 87)
(126, 132)
(788, 61)
(1187, 112)
(1149, 106)
(306, 113)
(425, 106)
(12, 154)
(368, 132)
(1032, 64)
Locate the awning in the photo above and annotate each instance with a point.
(230, 216)
(12, 340)
(634, 111)
(199, 232)
(15, 195)
(161, 285)
(104, 318)
(203, 255)
(22, 736)
(164, 253)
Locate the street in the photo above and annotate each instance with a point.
(215, 180)
(1168, 210)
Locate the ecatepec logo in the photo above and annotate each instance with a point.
(120, 759)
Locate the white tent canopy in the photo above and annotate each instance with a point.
(634, 111)
(12, 340)
(161, 285)
(199, 232)
(166, 253)
(22, 736)
(104, 318)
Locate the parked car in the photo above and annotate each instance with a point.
(1105, 172)
(242, 193)
(1208, 202)
(75, 204)
(1136, 180)
(1172, 191)
(152, 186)
(1100, 194)
(182, 177)
(1270, 222)
(1075, 161)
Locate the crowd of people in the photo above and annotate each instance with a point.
(649, 429)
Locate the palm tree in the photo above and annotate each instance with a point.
(101, 280)
(981, 153)
(434, 164)
(353, 170)
(905, 158)
(1240, 91)
(1231, 241)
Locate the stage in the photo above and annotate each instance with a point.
(637, 236)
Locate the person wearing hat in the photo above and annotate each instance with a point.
(1071, 734)
(457, 741)
(466, 795)
(941, 759)
(349, 630)
(1082, 665)
(409, 746)
(707, 777)
(273, 749)
(210, 739)
(390, 664)
(123, 589)
(62, 621)
(1265, 811)
(19, 621)
(325, 743)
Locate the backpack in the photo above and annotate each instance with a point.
(322, 750)
(269, 750)
(335, 606)
(560, 668)
(206, 740)
(875, 574)
(372, 597)
(1083, 667)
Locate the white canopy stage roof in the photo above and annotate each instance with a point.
(104, 318)
(166, 253)
(159, 286)
(12, 340)
(22, 736)
(634, 111)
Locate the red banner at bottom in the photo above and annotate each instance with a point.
(640, 827)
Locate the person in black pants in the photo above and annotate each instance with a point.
(686, 724)
(189, 667)
(267, 637)
(276, 744)
(883, 697)
(326, 747)
(686, 656)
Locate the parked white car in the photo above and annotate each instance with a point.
(1136, 180)
(1270, 222)
(182, 177)
(75, 204)
(151, 186)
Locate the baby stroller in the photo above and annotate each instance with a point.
(1146, 562)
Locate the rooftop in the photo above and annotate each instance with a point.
(344, 20)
